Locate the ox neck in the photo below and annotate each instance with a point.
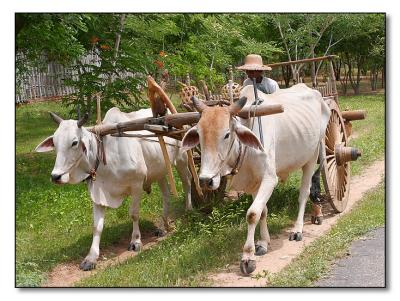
(232, 163)
(90, 161)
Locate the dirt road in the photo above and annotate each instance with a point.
(281, 251)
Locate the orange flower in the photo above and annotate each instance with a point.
(94, 40)
(162, 53)
(105, 47)
(159, 64)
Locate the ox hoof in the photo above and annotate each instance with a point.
(316, 220)
(260, 250)
(160, 232)
(247, 266)
(295, 236)
(136, 247)
(86, 265)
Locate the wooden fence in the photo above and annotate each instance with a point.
(39, 84)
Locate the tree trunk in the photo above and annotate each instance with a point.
(344, 80)
(313, 75)
(118, 41)
(374, 78)
(336, 67)
(287, 75)
(355, 83)
(357, 86)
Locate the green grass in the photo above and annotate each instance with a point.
(315, 260)
(370, 131)
(54, 222)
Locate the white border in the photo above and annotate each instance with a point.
(7, 155)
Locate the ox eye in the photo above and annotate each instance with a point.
(74, 143)
(226, 136)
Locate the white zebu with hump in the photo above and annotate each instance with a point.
(291, 141)
(132, 164)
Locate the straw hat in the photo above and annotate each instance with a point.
(254, 62)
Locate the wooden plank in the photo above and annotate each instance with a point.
(310, 60)
(328, 57)
(98, 109)
(193, 171)
(167, 161)
(154, 89)
(354, 115)
(261, 110)
(333, 79)
(131, 125)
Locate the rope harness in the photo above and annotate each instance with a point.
(100, 156)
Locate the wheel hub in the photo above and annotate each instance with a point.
(345, 154)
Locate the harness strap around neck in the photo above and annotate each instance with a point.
(236, 167)
(100, 156)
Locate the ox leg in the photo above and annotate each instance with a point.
(136, 242)
(248, 263)
(165, 196)
(315, 196)
(262, 244)
(297, 230)
(89, 263)
(186, 177)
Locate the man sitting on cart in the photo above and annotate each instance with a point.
(254, 68)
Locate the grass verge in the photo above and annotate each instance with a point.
(315, 260)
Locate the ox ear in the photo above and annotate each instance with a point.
(191, 139)
(247, 137)
(45, 146)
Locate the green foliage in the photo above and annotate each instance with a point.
(52, 34)
(203, 45)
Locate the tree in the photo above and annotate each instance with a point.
(300, 35)
(362, 47)
(41, 37)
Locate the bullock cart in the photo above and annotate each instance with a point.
(336, 154)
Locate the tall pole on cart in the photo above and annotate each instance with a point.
(230, 84)
(333, 78)
(154, 89)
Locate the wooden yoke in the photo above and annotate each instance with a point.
(155, 103)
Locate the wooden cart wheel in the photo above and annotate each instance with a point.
(336, 170)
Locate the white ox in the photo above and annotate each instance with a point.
(132, 164)
(291, 142)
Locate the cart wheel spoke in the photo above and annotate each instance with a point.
(335, 178)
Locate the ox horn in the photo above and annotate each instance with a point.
(198, 104)
(57, 119)
(237, 106)
(83, 119)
